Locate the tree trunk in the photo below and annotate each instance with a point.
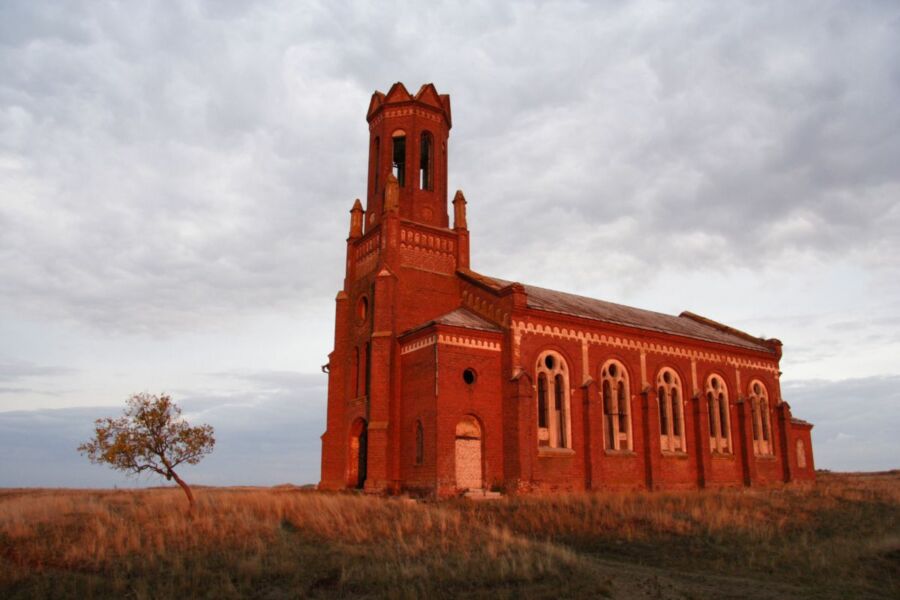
(185, 487)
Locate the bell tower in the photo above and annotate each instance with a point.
(401, 271)
(408, 139)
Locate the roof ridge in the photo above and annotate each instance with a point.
(687, 324)
(476, 321)
(686, 314)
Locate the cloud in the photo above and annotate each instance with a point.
(183, 173)
(856, 420)
(178, 167)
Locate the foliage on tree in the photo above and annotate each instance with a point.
(150, 436)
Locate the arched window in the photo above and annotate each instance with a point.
(542, 401)
(398, 156)
(554, 427)
(376, 164)
(420, 443)
(719, 415)
(671, 411)
(367, 369)
(356, 367)
(426, 161)
(762, 425)
(616, 406)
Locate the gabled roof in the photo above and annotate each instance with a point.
(461, 317)
(687, 324)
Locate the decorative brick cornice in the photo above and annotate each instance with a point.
(468, 342)
(450, 339)
(625, 342)
(486, 307)
(427, 251)
(418, 344)
(366, 254)
(431, 115)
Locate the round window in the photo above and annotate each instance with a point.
(469, 376)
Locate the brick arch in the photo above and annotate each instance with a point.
(760, 414)
(553, 401)
(670, 398)
(531, 355)
(618, 425)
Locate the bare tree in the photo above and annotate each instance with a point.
(150, 436)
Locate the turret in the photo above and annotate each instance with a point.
(408, 141)
(356, 220)
(459, 211)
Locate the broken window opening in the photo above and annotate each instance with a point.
(426, 162)
(399, 156)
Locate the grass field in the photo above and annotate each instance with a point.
(839, 539)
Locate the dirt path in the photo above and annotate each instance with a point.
(631, 581)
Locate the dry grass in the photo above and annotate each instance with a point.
(840, 538)
(256, 542)
(842, 534)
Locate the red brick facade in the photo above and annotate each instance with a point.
(444, 380)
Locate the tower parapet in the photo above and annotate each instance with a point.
(408, 139)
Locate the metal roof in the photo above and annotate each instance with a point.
(610, 312)
(461, 317)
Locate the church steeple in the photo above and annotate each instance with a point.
(408, 140)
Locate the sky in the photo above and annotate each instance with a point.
(175, 181)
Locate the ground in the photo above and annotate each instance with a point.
(838, 539)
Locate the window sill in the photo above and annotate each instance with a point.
(546, 451)
(623, 453)
(723, 456)
(765, 457)
(678, 454)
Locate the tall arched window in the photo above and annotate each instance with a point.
(426, 161)
(356, 367)
(398, 156)
(367, 368)
(542, 401)
(420, 443)
(554, 427)
(671, 411)
(719, 415)
(762, 425)
(377, 162)
(616, 406)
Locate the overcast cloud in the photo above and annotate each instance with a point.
(175, 180)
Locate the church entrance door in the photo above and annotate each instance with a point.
(358, 454)
(468, 455)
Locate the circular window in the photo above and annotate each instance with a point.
(362, 309)
(613, 370)
(549, 361)
(715, 383)
(756, 389)
(469, 376)
(667, 377)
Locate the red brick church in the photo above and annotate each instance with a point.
(444, 380)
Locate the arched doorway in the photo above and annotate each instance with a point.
(469, 474)
(356, 472)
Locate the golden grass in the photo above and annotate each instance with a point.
(305, 540)
(841, 537)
